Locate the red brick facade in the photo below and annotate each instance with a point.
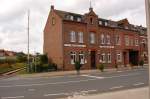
(70, 37)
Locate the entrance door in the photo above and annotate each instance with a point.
(93, 59)
(133, 57)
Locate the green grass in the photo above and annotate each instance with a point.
(9, 67)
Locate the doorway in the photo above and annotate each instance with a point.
(133, 57)
(93, 59)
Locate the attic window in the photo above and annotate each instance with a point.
(100, 22)
(71, 17)
(91, 20)
(79, 19)
(106, 23)
(53, 21)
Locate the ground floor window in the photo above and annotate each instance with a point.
(109, 57)
(81, 58)
(119, 56)
(73, 57)
(102, 58)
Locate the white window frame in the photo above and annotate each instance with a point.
(109, 57)
(80, 37)
(136, 42)
(100, 23)
(92, 38)
(72, 36)
(106, 23)
(127, 41)
(79, 19)
(102, 39)
(118, 40)
(119, 56)
(103, 58)
(82, 57)
(71, 17)
(108, 39)
(73, 57)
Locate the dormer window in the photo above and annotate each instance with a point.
(106, 23)
(100, 22)
(71, 17)
(79, 19)
(91, 21)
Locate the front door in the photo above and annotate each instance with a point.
(93, 59)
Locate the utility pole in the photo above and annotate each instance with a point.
(147, 6)
(28, 67)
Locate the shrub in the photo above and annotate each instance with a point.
(116, 66)
(101, 67)
(141, 63)
(78, 66)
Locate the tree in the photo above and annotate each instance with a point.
(44, 59)
(78, 66)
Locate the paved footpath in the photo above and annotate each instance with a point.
(139, 93)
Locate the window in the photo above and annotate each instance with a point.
(80, 35)
(102, 39)
(108, 39)
(91, 21)
(53, 21)
(106, 23)
(126, 40)
(72, 36)
(92, 38)
(119, 57)
(136, 42)
(73, 57)
(71, 17)
(131, 42)
(103, 58)
(81, 58)
(79, 19)
(109, 57)
(118, 40)
(100, 22)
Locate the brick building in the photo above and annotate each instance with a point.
(70, 37)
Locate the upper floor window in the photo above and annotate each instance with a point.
(72, 36)
(73, 57)
(136, 42)
(102, 39)
(71, 17)
(100, 23)
(81, 58)
(117, 39)
(127, 40)
(91, 21)
(80, 36)
(53, 21)
(92, 38)
(108, 39)
(131, 42)
(106, 23)
(79, 19)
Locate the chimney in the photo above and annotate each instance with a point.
(52, 7)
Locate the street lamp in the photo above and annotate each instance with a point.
(147, 6)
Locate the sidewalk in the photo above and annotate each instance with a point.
(139, 93)
(63, 73)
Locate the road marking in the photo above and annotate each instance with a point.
(31, 89)
(131, 74)
(42, 84)
(88, 91)
(16, 97)
(119, 71)
(138, 84)
(97, 77)
(57, 94)
(117, 87)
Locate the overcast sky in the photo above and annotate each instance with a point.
(13, 18)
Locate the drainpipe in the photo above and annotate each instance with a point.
(147, 6)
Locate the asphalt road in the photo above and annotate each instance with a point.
(67, 86)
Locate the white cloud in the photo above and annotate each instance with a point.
(13, 20)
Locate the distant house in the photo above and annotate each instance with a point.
(7, 54)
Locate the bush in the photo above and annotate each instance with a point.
(116, 66)
(141, 63)
(78, 65)
(101, 67)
